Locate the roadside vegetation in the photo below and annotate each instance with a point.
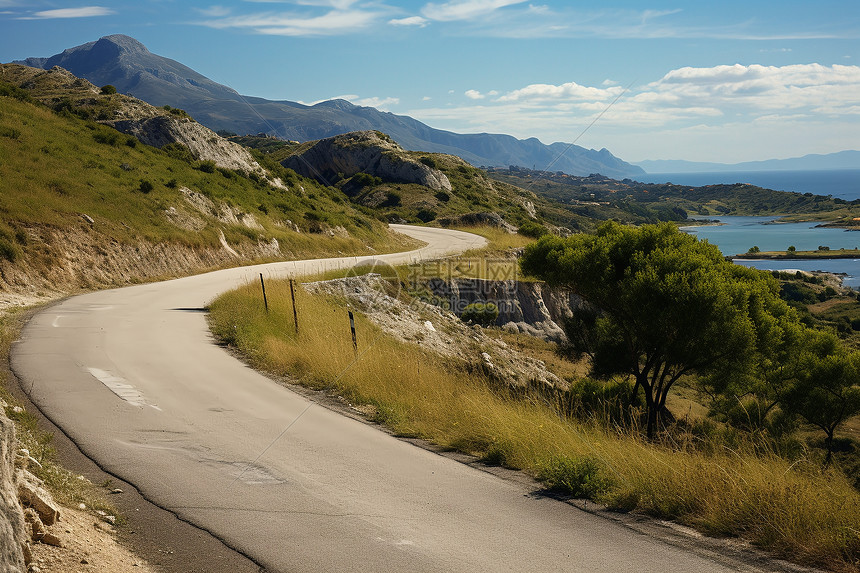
(721, 472)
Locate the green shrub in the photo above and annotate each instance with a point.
(146, 186)
(207, 166)
(13, 91)
(108, 89)
(392, 199)
(10, 132)
(582, 477)
(429, 161)
(426, 215)
(483, 313)
(587, 398)
(108, 138)
(175, 111)
(366, 180)
(533, 230)
(178, 151)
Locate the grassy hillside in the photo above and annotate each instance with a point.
(65, 173)
(472, 191)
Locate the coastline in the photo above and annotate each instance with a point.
(799, 255)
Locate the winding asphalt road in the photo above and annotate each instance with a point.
(133, 376)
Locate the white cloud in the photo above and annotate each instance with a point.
(381, 103)
(336, 4)
(568, 91)
(288, 24)
(410, 21)
(214, 11)
(82, 12)
(723, 113)
(464, 9)
(755, 88)
(426, 98)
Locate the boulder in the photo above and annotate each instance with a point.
(32, 494)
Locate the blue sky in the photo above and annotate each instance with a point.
(703, 81)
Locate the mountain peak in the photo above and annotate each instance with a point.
(340, 104)
(124, 43)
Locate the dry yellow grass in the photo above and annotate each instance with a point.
(796, 510)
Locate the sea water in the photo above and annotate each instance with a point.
(736, 235)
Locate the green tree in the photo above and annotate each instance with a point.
(660, 305)
(481, 313)
(825, 388)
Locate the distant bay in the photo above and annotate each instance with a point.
(842, 183)
(735, 235)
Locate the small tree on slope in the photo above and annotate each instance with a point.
(661, 305)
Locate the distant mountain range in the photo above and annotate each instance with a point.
(126, 64)
(840, 160)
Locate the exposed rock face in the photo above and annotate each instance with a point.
(13, 536)
(85, 261)
(364, 152)
(527, 307)
(203, 143)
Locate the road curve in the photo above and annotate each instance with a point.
(133, 377)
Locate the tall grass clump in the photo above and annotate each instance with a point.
(794, 509)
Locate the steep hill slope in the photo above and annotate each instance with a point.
(85, 205)
(124, 62)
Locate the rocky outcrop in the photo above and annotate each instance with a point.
(13, 536)
(204, 144)
(364, 152)
(527, 307)
(438, 331)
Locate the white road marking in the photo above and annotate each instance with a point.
(121, 388)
